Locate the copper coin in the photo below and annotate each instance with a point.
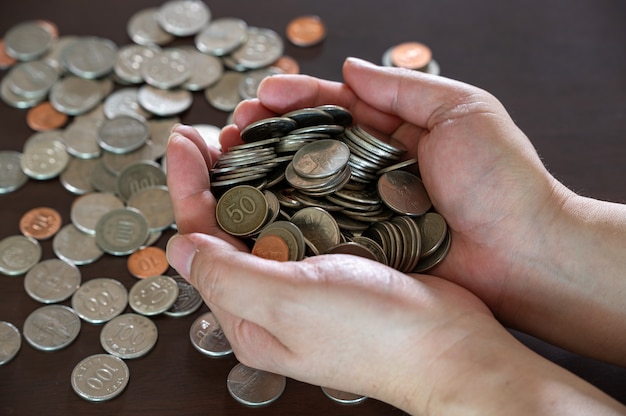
(411, 55)
(287, 64)
(271, 247)
(40, 223)
(306, 31)
(44, 116)
(6, 61)
(147, 262)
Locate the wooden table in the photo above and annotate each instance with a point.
(559, 67)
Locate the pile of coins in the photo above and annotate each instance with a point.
(310, 182)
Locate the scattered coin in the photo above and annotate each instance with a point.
(100, 377)
(51, 327)
(12, 177)
(147, 262)
(77, 247)
(52, 281)
(121, 231)
(306, 31)
(18, 254)
(153, 295)
(207, 336)
(188, 300)
(10, 341)
(40, 223)
(343, 397)
(87, 209)
(99, 300)
(129, 336)
(44, 116)
(411, 55)
(253, 387)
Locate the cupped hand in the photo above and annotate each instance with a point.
(481, 172)
(340, 321)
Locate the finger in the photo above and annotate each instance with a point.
(284, 93)
(416, 97)
(209, 153)
(230, 136)
(189, 187)
(249, 111)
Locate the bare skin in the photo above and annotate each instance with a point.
(517, 234)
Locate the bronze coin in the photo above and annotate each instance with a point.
(6, 61)
(411, 55)
(44, 116)
(306, 31)
(271, 247)
(287, 64)
(147, 262)
(40, 223)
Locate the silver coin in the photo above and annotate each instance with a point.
(99, 300)
(80, 137)
(206, 70)
(435, 258)
(51, 327)
(52, 280)
(10, 342)
(433, 229)
(122, 134)
(156, 205)
(87, 209)
(343, 397)
(183, 17)
(262, 47)
(222, 36)
(53, 56)
(318, 226)
(207, 336)
(12, 176)
(32, 79)
(102, 178)
(73, 95)
(74, 246)
(153, 295)
(167, 68)
(159, 135)
(164, 103)
(210, 134)
(291, 234)
(44, 159)
(27, 40)
(117, 162)
(100, 377)
(129, 336)
(90, 57)
(249, 84)
(144, 28)
(404, 193)
(16, 100)
(129, 60)
(18, 254)
(125, 101)
(253, 387)
(321, 159)
(121, 231)
(224, 94)
(138, 176)
(188, 300)
(76, 177)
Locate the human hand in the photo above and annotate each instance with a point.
(480, 170)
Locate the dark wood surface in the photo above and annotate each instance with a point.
(559, 67)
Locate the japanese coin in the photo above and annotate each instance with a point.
(100, 377)
(242, 210)
(10, 341)
(51, 327)
(52, 280)
(99, 300)
(129, 336)
(207, 336)
(153, 295)
(18, 254)
(253, 387)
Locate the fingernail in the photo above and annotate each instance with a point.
(175, 126)
(180, 252)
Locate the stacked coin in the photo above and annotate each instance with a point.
(341, 188)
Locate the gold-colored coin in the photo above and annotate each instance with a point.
(242, 210)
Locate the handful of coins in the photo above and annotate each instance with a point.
(311, 182)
